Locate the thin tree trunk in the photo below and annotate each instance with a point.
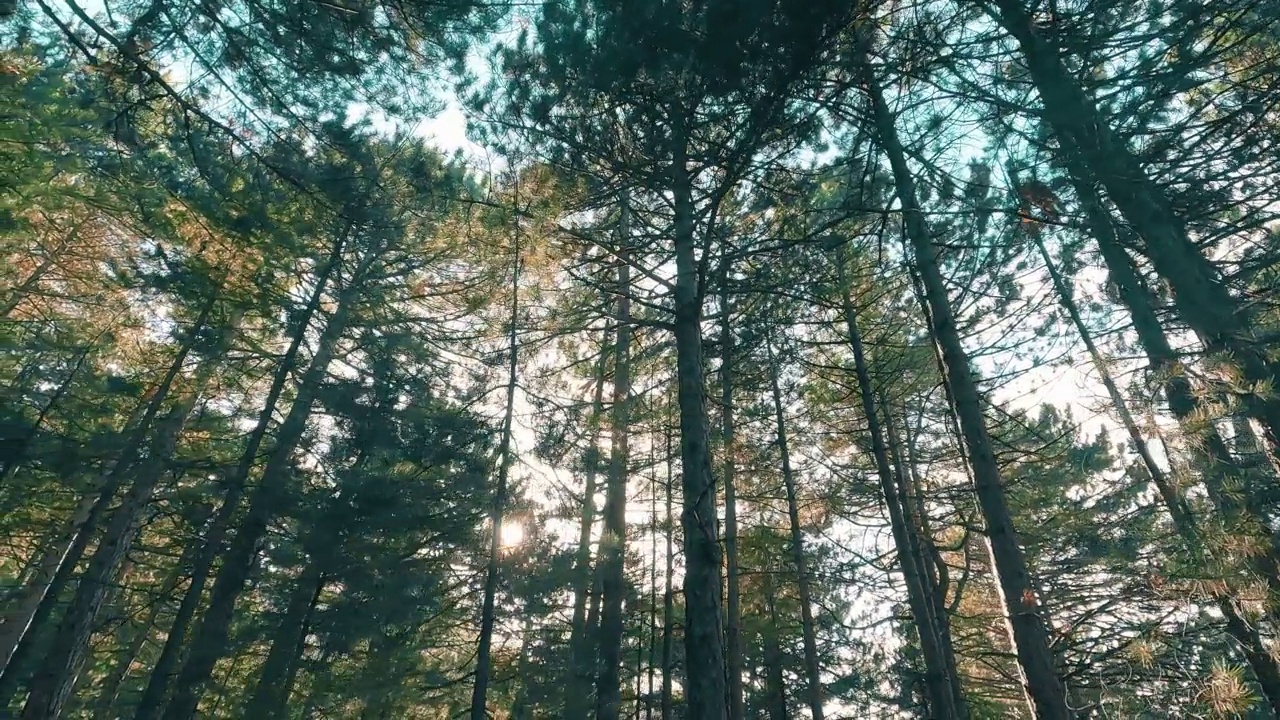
(166, 667)
(775, 685)
(653, 578)
(577, 690)
(44, 588)
(703, 632)
(1201, 298)
(521, 708)
(52, 683)
(24, 288)
(53, 559)
(1042, 681)
(1264, 665)
(933, 569)
(210, 641)
(15, 459)
(1220, 470)
(733, 625)
(272, 693)
(109, 690)
(613, 543)
(479, 692)
(668, 594)
(813, 673)
(941, 681)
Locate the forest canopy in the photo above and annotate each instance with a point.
(749, 359)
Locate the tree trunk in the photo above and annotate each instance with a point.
(932, 567)
(941, 681)
(66, 554)
(40, 585)
(14, 458)
(733, 625)
(775, 684)
(109, 689)
(1219, 469)
(52, 684)
(653, 580)
(272, 692)
(668, 599)
(613, 543)
(210, 641)
(813, 673)
(175, 645)
(1201, 298)
(704, 649)
(1042, 681)
(480, 691)
(577, 690)
(20, 292)
(521, 708)
(54, 681)
(1264, 665)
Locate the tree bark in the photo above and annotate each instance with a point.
(479, 692)
(48, 583)
(668, 594)
(733, 628)
(271, 695)
(1264, 665)
(210, 641)
(577, 690)
(704, 648)
(942, 683)
(109, 689)
(1201, 298)
(14, 458)
(933, 569)
(40, 585)
(52, 683)
(775, 683)
(813, 673)
(1043, 682)
(613, 543)
(1219, 469)
(153, 698)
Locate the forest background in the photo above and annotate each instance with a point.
(639, 358)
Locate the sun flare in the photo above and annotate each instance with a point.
(512, 534)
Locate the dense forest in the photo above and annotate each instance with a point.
(753, 359)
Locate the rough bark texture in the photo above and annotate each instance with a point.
(271, 695)
(813, 673)
(613, 542)
(1264, 665)
(668, 593)
(733, 590)
(52, 684)
(775, 683)
(577, 690)
(1042, 680)
(703, 638)
(209, 643)
(171, 655)
(480, 690)
(1219, 469)
(41, 584)
(942, 684)
(1201, 298)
